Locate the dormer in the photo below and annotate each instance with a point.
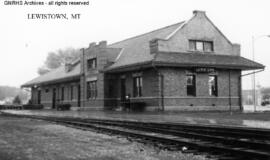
(68, 67)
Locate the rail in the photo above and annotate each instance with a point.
(214, 141)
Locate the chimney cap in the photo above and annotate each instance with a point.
(198, 12)
(103, 44)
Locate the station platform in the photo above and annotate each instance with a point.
(239, 119)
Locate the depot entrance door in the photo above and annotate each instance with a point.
(123, 90)
(53, 98)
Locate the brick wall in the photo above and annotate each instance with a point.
(47, 94)
(175, 96)
(150, 89)
(175, 90)
(104, 56)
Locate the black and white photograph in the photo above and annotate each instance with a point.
(134, 80)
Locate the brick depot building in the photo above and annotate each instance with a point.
(190, 65)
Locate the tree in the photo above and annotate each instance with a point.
(42, 70)
(58, 58)
(17, 100)
(7, 91)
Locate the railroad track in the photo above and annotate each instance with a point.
(213, 141)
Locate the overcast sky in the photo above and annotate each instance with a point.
(25, 43)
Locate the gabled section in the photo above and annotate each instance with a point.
(198, 35)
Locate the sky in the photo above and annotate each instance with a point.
(24, 43)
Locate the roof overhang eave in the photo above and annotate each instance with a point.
(124, 68)
(221, 66)
(147, 64)
(71, 78)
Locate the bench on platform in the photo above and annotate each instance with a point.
(133, 106)
(33, 106)
(11, 107)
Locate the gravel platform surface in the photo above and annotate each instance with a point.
(241, 119)
(26, 139)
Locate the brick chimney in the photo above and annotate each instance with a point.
(236, 49)
(102, 44)
(153, 44)
(93, 44)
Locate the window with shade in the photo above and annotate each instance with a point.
(91, 89)
(137, 86)
(202, 46)
(212, 83)
(92, 63)
(191, 85)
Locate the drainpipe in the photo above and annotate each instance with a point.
(240, 92)
(230, 99)
(82, 86)
(161, 76)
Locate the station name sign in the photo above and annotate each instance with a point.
(204, 70)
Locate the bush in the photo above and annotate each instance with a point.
(32, 106)
(2, 107)
(264, 103)
(63, 107)
(17, 100)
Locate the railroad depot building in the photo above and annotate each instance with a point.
(189, 65)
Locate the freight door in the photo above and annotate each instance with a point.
(79, 95)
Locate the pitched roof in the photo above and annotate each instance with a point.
(206, 60)
(58, 74)
(133, 50)
(136, 49)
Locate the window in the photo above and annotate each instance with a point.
(212, 83)
(92, 63)
(191, 85)
(137, 86)
(192, 45)
(47, 90)
(91, 89)
(63, 94)
(71, 93)
(199, 46)
(206, 46)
